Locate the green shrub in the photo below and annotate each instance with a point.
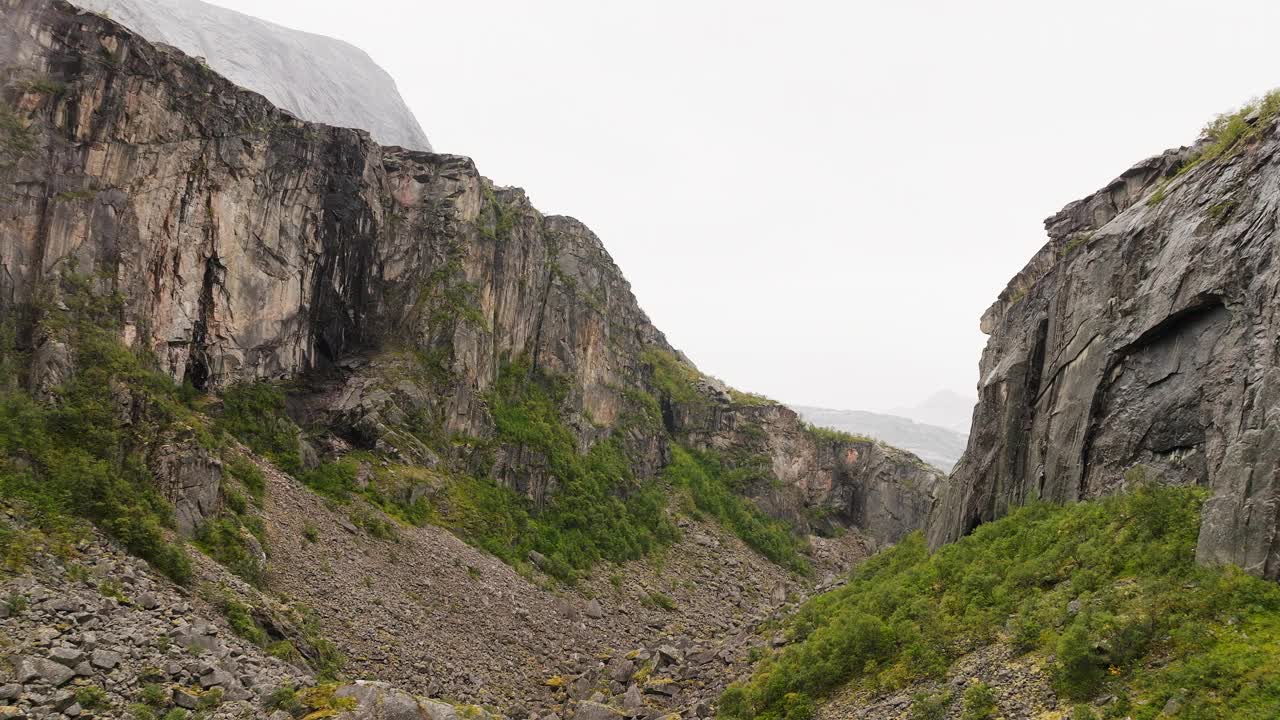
(658, 601)
(225, 540)
(240, 617)
(710, 484)
(254, 413)
(926, 706)
(92, 697)
(336, 479)
(979, 703)
(598, 511)
(674, 378)
(154, 695)
(1215, 629)
(77, 457)
(243, 469)
(822, 434)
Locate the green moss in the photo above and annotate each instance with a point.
(1130, 562)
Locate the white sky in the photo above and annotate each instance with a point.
(814, 200)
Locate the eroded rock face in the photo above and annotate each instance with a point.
(189, 477)
(246, 244)
(1139, 343)
(884, 491)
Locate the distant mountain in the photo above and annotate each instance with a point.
(316, 78)
(939, 446)
(945, 408)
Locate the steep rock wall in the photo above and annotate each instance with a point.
(1140, 344)
(246, 244)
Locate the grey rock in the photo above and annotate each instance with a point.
(633, 698)
(1134, 347)
(314, 77)
(27, 669)
(588, 710)
(11, 691)
(104, 659)
(184, 698)
(621, 669)
(669, 655)
(67, 656)
(189, 477)
(380, 701)
(217, 678)
(593, 609)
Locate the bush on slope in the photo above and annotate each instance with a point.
(1149, 623)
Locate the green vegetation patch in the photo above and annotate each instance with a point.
(675, 378)
(598, 510)
(80, 456)
(822, 434)
(1226, 135)
(254, 413)
(1109, 588)
(711, 486)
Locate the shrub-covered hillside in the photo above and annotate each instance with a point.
(1108, 589)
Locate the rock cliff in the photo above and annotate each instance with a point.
(314, 77)
(245, 244)
(1139, 344)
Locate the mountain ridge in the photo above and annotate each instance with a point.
(315, 77)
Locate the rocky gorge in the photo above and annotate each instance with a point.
(296, 424)
(334, 362)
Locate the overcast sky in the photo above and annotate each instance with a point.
(815, 201)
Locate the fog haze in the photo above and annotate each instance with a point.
(816, 201)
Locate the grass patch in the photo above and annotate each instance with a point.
(674, 377)
(1128, 560)
(658, 601)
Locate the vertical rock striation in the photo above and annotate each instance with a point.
(246, 244)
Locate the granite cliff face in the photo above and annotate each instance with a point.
(314, 77)
(1140, 344)
(246, 244)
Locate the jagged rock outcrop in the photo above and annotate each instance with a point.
(317, 78)
(246, 244)
(1140, 343)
